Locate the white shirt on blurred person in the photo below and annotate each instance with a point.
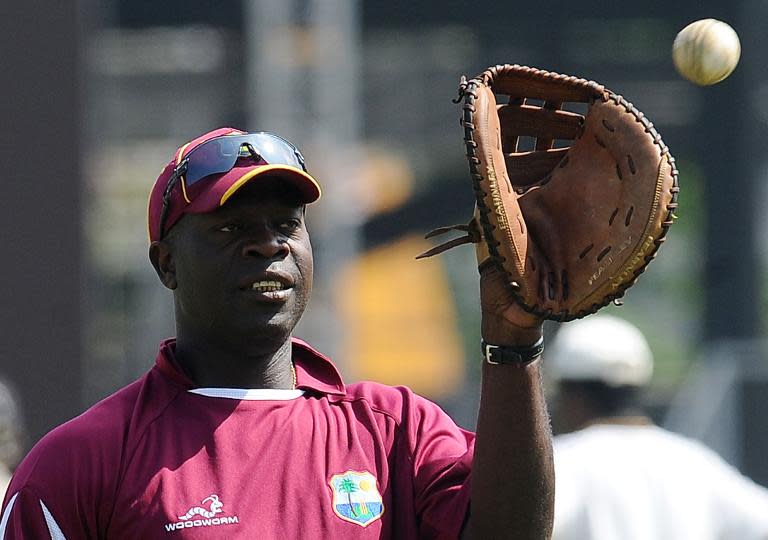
(619, 477)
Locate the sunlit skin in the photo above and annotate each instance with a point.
(513, 450)
(229, 335)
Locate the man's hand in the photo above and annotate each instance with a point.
(504, 321)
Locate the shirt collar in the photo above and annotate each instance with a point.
(314, 371)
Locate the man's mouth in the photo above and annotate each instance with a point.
(267, 286)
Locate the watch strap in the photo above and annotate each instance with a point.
(498, 354)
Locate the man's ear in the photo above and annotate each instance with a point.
(161, 256)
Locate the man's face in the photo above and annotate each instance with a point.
(243, 272)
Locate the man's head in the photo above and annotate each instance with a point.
(600, 365)
(227, 231)
(205, 172)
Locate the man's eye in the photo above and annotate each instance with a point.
(230, 228)
(291, 224)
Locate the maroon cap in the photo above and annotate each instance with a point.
(211, 193)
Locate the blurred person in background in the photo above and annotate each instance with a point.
(619, 476)
(12, 435)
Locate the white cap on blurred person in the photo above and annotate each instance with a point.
(600, 348)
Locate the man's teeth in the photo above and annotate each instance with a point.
(267, 286)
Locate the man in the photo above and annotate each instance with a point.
(243, 431)
(618, 475)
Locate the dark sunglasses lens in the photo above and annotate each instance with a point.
(275, 150)
(220, 155)
(213, 157)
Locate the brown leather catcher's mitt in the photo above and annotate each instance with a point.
(574, 219)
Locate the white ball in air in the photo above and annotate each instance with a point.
(706, 51)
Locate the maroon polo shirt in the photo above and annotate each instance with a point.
(163, 459)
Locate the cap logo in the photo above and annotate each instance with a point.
(244, 151)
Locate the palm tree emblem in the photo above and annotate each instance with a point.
(348, 486)
(366, 506)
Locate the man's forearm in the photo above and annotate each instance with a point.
(512, 492)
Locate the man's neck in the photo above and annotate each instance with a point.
(223, 366)
(619, 420)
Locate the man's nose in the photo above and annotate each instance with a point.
(267, 244)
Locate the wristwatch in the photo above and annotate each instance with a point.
(498, 354)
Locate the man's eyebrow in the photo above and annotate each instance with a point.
(293, 207)
(237, 211)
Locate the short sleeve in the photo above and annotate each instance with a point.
(26, 515)
(442, 462)
(60, 490)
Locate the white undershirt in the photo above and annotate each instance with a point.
(249, 394)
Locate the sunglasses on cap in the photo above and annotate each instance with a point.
(220, 154)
